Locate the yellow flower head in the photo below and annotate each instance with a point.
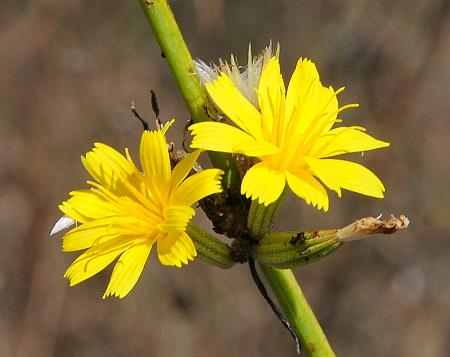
(291, 134)
(127, 211)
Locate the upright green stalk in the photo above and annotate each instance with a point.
(297, 310)
(180, 61)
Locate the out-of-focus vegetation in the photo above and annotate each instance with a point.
(68, 72)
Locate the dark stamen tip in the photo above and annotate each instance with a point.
(136, 114)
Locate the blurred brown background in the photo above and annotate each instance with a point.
(68, 72)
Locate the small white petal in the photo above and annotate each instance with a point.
(206, 73)
(63, 223)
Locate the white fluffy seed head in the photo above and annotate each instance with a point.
(246, 78)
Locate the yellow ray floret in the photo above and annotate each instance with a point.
(292, 135)
(127, 211)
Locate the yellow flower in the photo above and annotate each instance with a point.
(126, 212)
(291, 134)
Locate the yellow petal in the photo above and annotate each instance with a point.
(182, 169)
(108, 167)
(345, 140)
(154, 158)
(257, 148)
(304, 74)
(128, 270)
(197, 186)
(234, 104)
(95, 259)
(103, 230)
(326, 176)
(226, 138)
(263, 183)
(304, 185)
(311, 108)
(175, 249)
(86, 205)
(271, 99)
(176, 218)
(188, 246)
(167, 254)
(351, 176)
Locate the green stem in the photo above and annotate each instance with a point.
(298, 311)
(180, 61)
